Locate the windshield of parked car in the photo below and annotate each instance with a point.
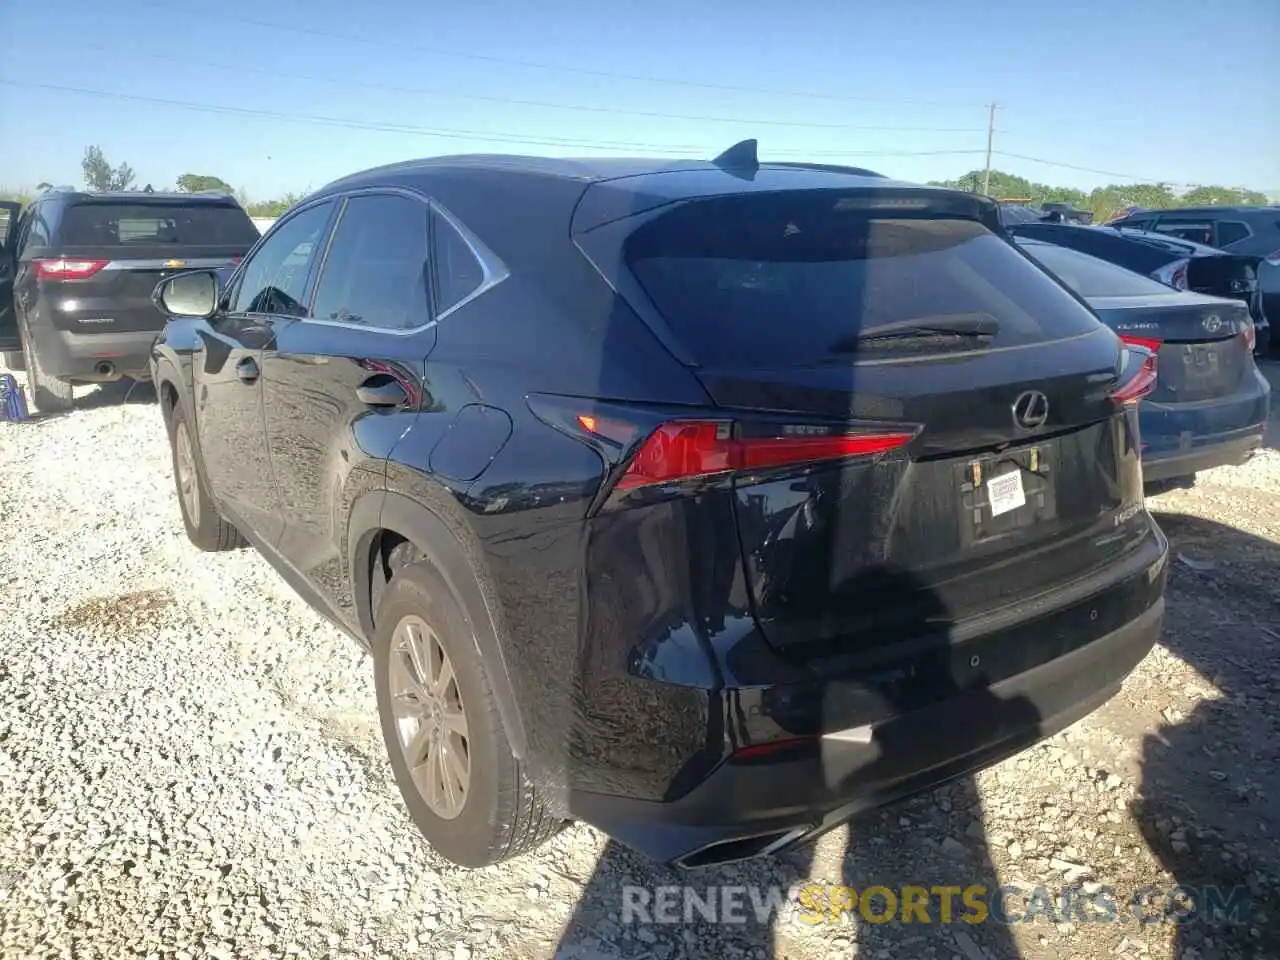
(1089, 276)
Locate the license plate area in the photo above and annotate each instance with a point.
(1021, 496)
(1200, 361)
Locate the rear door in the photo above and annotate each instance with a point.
(227, 371)
(344, 381)
(811, 307)
(122, 247)
(9, 213)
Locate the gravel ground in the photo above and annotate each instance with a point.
(190, 765)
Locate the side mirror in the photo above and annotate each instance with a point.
(190, 294)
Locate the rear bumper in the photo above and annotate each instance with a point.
(1179, 439)
(1203, 453)
(749, 808)
(93, 357)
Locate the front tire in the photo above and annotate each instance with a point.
(205, 527)
(449, 752)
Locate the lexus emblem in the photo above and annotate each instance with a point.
(1212, 323)
(1031, 409)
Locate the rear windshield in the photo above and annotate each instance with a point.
(1091, 277)
(804, 278)
(125, 224)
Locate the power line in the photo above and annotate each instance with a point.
(452, 133)
(615, 111)
(1072, 166)
(581, 71)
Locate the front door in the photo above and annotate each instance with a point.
(8, 264)
(227, 372)
(343, 384)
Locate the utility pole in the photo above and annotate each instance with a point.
(991, 131)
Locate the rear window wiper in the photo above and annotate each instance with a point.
(962, 326)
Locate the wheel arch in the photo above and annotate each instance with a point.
(380, 522)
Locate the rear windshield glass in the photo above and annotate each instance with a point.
(1091, 277)
(112, 224)
(789, 279)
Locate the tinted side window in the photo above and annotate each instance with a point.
(36, 230)
(376, 270)
(274, 279)
(458, 272)
(1232, 231)
(1197, 231)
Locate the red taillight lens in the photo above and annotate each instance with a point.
(1174, 274)
(682, 450)
(235, 261)
(60, 268)
(1273, 258)
(1250, 336)
(1146, 343)
(1140, 384)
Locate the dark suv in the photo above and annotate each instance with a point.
(76, 281)
(707, 502)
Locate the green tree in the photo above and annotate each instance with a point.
(274, 208)
(1221, 196)
(100, 175)
(196, 182)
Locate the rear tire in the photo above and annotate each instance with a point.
(205, 527)
(50, 394)
(498, 815)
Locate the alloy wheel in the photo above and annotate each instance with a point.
(431, 725)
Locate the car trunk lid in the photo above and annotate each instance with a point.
(1202, 342)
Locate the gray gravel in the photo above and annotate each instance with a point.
(190, 765)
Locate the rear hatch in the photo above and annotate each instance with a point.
(109, 253)
(1203, 343)
(901, 309)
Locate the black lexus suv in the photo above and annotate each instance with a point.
(706, 502)
(77, 272)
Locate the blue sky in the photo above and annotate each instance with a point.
(1123, 88)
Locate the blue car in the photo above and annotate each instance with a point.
(1209, 408)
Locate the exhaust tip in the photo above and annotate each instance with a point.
(742, 848)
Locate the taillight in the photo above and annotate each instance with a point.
(1174, 274)
(1141, 381)
(60, 268)
(685, 450)
(1250, 336)
(666, 452)
(1146, 343)
(235, 261)
(1273, 258)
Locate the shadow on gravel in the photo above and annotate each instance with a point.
(107, 395)
(935, 840)
(1210, 797)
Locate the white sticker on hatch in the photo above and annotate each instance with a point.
(1005, 492)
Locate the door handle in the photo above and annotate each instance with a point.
(247, 370)
(381, 391)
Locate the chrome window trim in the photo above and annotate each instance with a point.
(494, 271)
